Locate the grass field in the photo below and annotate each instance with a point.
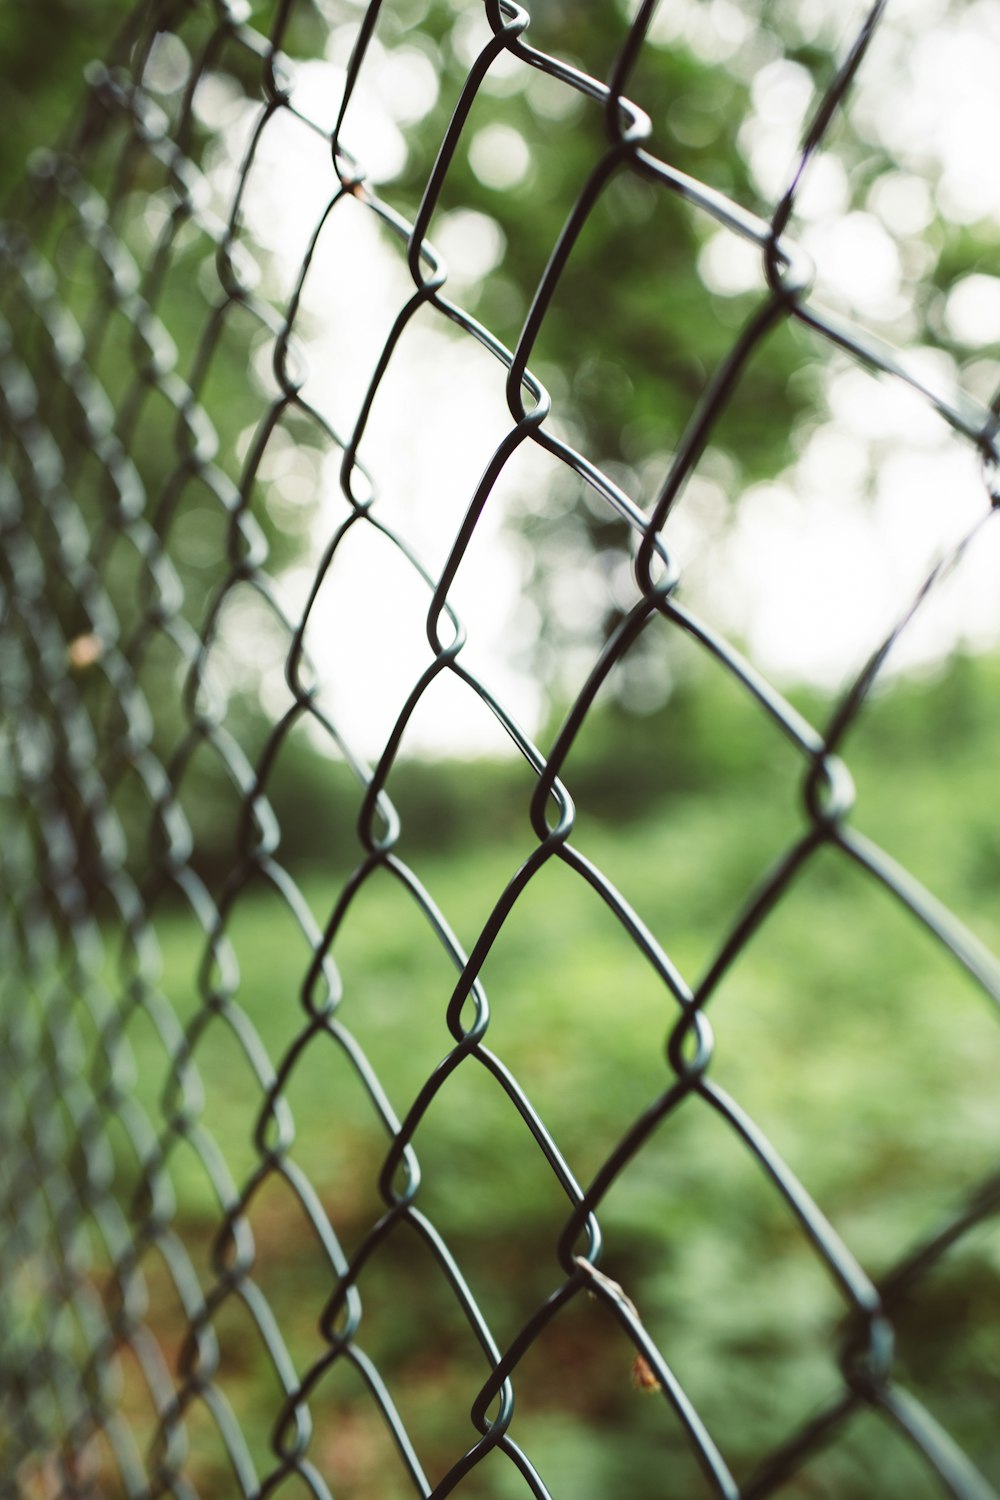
(849, 1035)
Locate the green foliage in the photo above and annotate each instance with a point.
(632, 334)
(127, 295)
(44, 47)
(861, 1050)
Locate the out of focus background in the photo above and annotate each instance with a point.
(828, 495)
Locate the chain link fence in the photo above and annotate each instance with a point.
(132, 1312)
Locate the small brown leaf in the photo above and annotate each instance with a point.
(643, 1374)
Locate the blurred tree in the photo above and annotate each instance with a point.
(655, 290)
(44, 47)
(154, 380)
(650, 301)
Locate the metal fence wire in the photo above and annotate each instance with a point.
(128, 1326)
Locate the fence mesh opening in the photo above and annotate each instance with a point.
(395, 1098)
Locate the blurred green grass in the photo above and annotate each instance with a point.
(852, 1038)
